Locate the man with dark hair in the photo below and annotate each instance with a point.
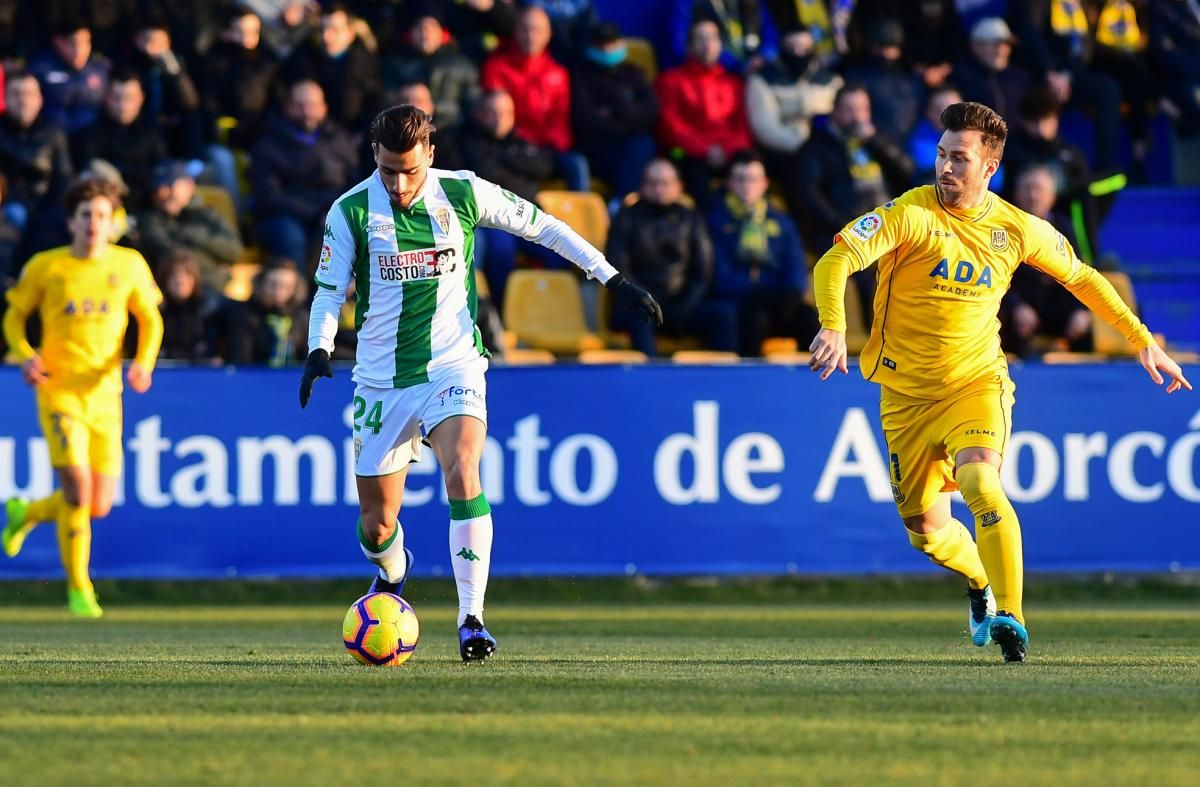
(238, 74)
(947, 252)
(83, 294)
(844, 169)
(759, 259)
(172, 101)
(301, 161)
(124, 136)
(347, 71)
(431, 57)
(663, 245)
(35, 156)
(420, 361)
(73, 76)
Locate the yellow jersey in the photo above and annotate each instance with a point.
(942, 273)
(84, 305)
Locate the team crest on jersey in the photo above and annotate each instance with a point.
(867, 226)
(999, 240)
(442, 217)
(112, 280)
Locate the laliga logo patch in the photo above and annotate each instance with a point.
(999, 240)
(867, 226)
(442, 217)
(326, 256)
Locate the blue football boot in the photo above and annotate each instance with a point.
(1010, 635)
(983, 612)
(381, 585)
(474, 641)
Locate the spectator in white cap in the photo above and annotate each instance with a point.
(987, 75)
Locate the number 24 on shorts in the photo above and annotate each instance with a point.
(374, 418)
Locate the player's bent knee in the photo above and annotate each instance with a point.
(462, 477)
(376, 528)
(978, 480)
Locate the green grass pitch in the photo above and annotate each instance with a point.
(602, 694)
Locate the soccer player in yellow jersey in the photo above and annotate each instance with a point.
(84, 294)
(946, 254)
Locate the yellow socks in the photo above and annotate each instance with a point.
(998, 533)
(75, 545)
(951, 546)
(44, 510)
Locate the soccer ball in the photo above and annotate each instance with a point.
(381, 629)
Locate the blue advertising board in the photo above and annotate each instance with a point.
(753, 469)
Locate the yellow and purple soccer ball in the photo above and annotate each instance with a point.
(381, 629)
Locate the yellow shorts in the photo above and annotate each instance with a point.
(83, 429)
(923, 437)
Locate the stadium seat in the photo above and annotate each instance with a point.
(789, 359)
(775, 345)
(611, 357)
(583, 211)
(525, 356)
(241, 280)
(705, 357)
(545, 310)
(640, 52)
(1063, 358)
(220, 200)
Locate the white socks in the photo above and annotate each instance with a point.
(471, 553)
(389, 555)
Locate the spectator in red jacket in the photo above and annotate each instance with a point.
(541, 90)
(702, 120)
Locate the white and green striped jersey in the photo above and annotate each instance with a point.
(414, 270)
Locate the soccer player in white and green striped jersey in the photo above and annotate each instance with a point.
(406, 236)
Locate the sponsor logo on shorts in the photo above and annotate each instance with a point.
(357, 448)
(989, 518)
(867, 226)
(457, 395)
(889, 363)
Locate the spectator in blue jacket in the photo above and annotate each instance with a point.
(74, 78)
(759, 260)
(749, 37)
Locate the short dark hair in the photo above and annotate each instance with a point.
(744, 157)
(1038, 103)
(232, 13)
(89, 188)
(124, 74)
(402, 128)
(973, 116)
(847, 89)
(69, 26)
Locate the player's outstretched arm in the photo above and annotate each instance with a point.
(1154, 360)
(828, 353)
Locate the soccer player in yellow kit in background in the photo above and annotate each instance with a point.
(84, 294)
(946, 256)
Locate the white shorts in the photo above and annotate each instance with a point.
(390, 423)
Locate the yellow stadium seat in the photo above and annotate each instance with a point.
(775, 345)
(611, 356)
(582, 211)
(789, 359)
(1063, 358)
(241, 280)
(1105, 338)
(545, 310)
(640, 53)
(219, 200)
(705, 357)
(525, 356)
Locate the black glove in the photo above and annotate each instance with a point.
(316, 366)
(636, 299)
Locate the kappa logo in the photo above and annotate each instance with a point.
(867, 226)
(329, 232)
(380, 227)
(999, 240)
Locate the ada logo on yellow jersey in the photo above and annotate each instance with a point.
(999, 240)
(867, 226)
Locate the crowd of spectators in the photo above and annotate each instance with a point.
(768, 126)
